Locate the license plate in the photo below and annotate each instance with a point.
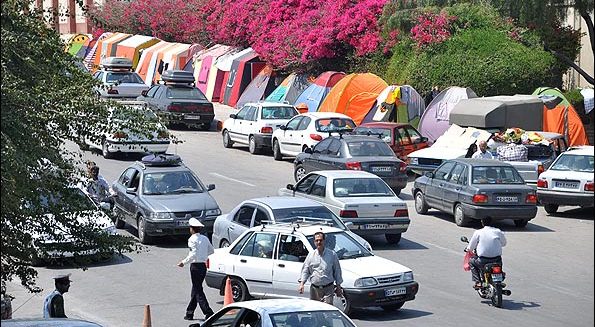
(182, 223)
(566, 184)
(395, 291)
(497, 277)
(192, 117)
(375, 226)
(507, 199)
(381, 169)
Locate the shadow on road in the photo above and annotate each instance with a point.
(515, 305)
(378, 242)
(116, 259)
(377, 314)
(576, 213)
(505, 224)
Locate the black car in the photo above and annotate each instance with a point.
(356, 152)
(178, 101)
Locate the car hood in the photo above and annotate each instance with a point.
(96, 217)
(181, 202)
(438, 153)
(361, 267)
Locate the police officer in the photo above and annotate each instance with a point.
(53, 305)
(200, 249)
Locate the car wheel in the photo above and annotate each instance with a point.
(224, 244)
(277, 155)
(227, 142)
(119, 223)
(550, 208)
(460, 219)
(421, 206)
(105, 151)
(142, 231)
(393, 238)
(299, 172)
(252, 146)
(239, 291)
(392, 307)
(520, 223)
(343, 303)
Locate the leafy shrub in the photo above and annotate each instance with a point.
(575, 97)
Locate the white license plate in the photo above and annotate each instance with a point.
(375, 226)
(566, 184)
(182, 223)
(507, 199)
(381, 169)
(497, 277)
(192, 117)
(395, 291)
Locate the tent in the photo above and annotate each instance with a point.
(173, 58)
(261, 86)
(223, 66)
(313, 95)
(244, 68)
(236, 69)
(82, 53)
(397, 103)
(204, 64)
(353, 95)
(562, 118)
(105, 46)
(132, 47)
(76, 42)
(157, 64)
(91, 54)
(434, 121)
(289, 90)
(147, 62)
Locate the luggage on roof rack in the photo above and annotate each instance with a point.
(162, 160)
(116, 63)
(177, 76)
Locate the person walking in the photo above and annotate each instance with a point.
(200, 249)
(487, 244)
(97, 187)
(482, 152)
(322, 268)
(53, 305)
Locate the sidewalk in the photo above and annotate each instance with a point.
(222, 112)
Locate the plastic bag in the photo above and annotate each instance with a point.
(466, 265)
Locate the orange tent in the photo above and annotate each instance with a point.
(147, 61)
(104, 47)
(132, 47)
(562, 118)
(354, 95)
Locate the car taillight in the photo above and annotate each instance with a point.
(119, 135)
(542, 183)
(403, 167)
(539, 169)
(316, 137)
(480, 198)
(266, 130)
(173, 107)
(112, 91)
(348, 214)
(401, 213)
(353, 165)
(531, 198)
(496, 270)
(163, 134)
(589, 186)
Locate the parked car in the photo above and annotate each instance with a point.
(266, 261)
(473, 189)
(270, 210)
(117, 137)
(354, 152)
(358, 197)
(255, 123)
(118, 79)
(45, 322)
(306, 130)
(402, 138)
(178, 101)
(158, 196)
(279, 312)
(568, 181)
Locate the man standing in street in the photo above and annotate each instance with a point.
(53, 305)
(482, 152)
(200, 249)
(322, 268)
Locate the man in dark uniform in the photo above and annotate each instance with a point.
(53, 305)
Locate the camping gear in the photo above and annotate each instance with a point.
(224, 64)
(289, 90)
(244, 68)
(401, 104)
(132, 47)
(105, 46)
(314, 94)
(147, 61)
(91, 54)
(261, 86)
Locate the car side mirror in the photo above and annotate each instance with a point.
(282, 127)
(308, 150)
(131, 190)
(290, 187)
(429, 174)
(144, 93)
(234, 116)
(211, 187)
(422, 139)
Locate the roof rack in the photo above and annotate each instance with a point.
(116, 64)
(340, 131)
(161, 160)
(300, 221)
(177, 76)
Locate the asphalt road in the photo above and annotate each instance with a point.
(549, 264)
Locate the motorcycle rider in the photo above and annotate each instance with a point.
(487, 244)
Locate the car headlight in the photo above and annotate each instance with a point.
(408, 276)
(213, 212)
(365, 282)
(413, 161)
(161, 216)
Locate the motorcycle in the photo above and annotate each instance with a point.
(492, 282)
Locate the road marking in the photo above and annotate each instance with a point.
(232, 179)
(446, 249)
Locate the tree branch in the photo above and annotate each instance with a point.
(571, 64)
(589, 23)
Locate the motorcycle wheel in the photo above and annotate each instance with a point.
(497, 295)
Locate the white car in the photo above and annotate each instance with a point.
(117, 138)
(568, 181)
(360, 198)
(279, 312)
(306, 130)
(255, 124)
(266, 261)
(118, 80)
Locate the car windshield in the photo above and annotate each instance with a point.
(74, 200)
(123, 77)
(496, 175)
(371, 148)
(345, 246)
(185, 92)
(310, 318)
(583, 163)
(321, 213)
(175, 182)
(278, 112)
(360, 187)
(334, 124)
(383, 133)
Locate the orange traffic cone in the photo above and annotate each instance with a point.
(227, 296)
(147, 317)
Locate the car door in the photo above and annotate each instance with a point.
(331, 159)
(248, 124)
(313, 162)
(119, 187)
(241, 221)
(302, 188)
(302, 134)
(255, 262)
(453, 186)
(150, 97)
(403, 141)
(287, 144)
(435, 189)
(287, 265)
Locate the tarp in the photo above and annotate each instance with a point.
(89, 60)
(434, 121)
(82, 53)
(354, 95)
(563, 118)
(261, 86)
(76, 42)
(588, 99)
(104, 47)
(243, 69)
(290, 88)
(314, 94)
(132, 47)
(147, 62)
(397, 103)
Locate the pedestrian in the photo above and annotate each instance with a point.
(53, 305)
(97, 186)
(487, 244)
(322, 268)
(200, 249)
(482, 152)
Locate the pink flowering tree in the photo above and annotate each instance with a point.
(431, 29)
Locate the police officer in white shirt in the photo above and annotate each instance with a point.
(487, 244)
(53, 305)
(200, 249)
(482, 152)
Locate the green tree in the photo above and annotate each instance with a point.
(46, 100)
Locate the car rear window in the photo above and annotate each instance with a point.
(359, 187)
(332, 124)
(369, 148)
(190, 93)
(384, 133)
(310, 318)
(278, 112)
(308, 214)
(496, 175)
(123, 77)
(582, 163)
